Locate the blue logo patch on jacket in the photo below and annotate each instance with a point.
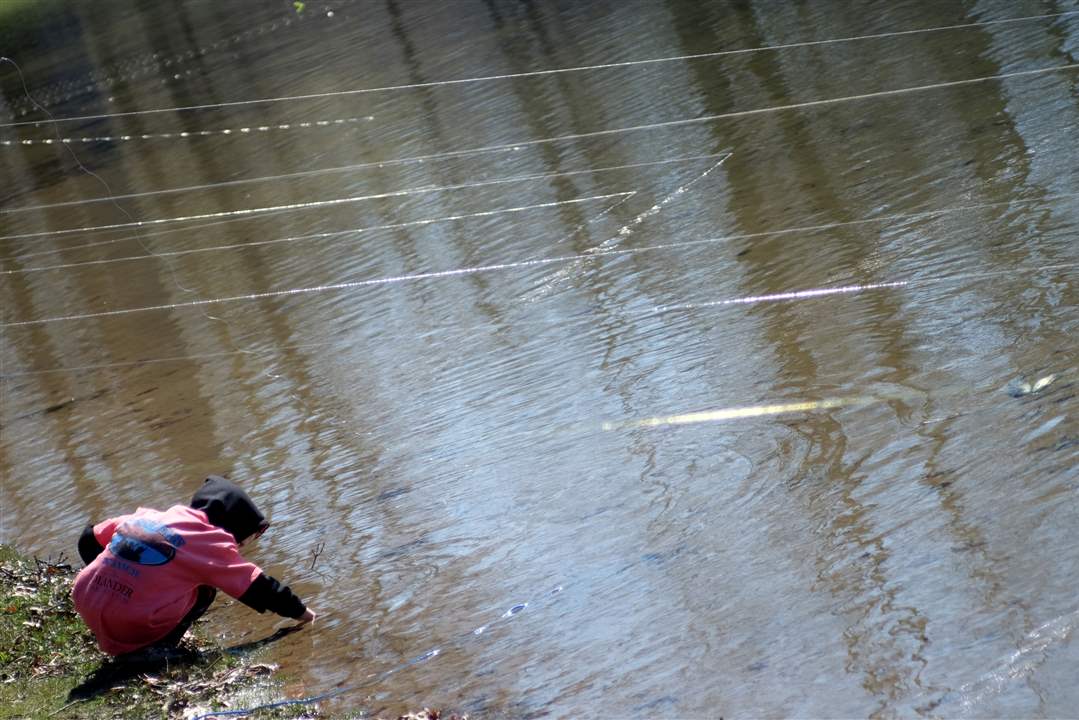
(145, 542)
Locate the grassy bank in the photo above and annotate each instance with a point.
(50, 666)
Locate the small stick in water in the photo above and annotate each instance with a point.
(316, 552)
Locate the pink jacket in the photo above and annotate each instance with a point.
(137, 590)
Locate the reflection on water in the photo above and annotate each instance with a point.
(613, 393)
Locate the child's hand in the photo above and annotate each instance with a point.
(307, 617)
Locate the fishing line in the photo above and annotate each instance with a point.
(326, 171)
(350, 285)
(848, 289)
(415, 159)
(298, 345)
(316, 236)
(625, 231)
(497, 267)
(125, 238)
(244, 212)
(253, 212)
(515, 146)
(725, 238)
(555, 71)
(246, 130)
(790, 295)
(627, 196)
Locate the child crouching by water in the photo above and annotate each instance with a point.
(150, 574)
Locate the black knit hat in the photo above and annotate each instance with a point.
(229, 507)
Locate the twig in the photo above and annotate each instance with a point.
(319, 547)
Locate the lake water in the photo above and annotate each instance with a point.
(699, 348)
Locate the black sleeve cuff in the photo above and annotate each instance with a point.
(266, 593)
(89, 548)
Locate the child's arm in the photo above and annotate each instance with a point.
(222, 566)
(89, 547)
(94, 538)
(266, 593)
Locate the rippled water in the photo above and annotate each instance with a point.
(709, 375)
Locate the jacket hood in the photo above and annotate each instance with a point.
(229, 507)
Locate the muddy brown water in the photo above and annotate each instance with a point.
(736, 430)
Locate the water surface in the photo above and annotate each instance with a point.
(457, 338)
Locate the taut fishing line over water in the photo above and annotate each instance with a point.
(557, 71)
(358, 166)
(302, 238)
(702, 119)
(488, 213)
(275, 209)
